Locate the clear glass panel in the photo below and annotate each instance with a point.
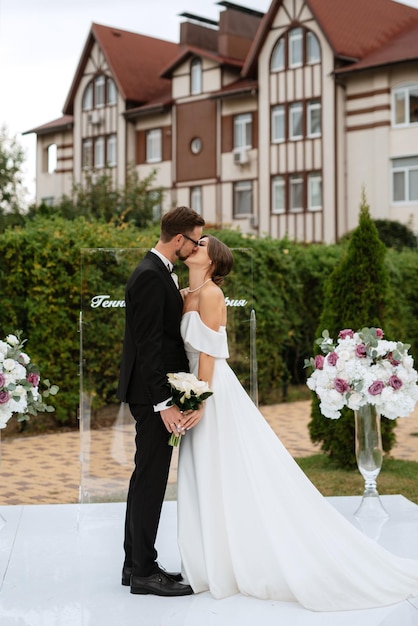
(99, 157)
(154, 145)
(111, 150)
(400, 112)
(413, 106)
(278, 194)
(313, 48)
(243, 198)
(314, 119)
(296, 193)
(413, 185)
(99, 91)
(295, 47)
(277, 58)
(88, 98)
(107, 430)
(398, 186)
(196, 76)
(243, 131)
(111, 91)
(315, 192)
(296, 120)
(278, 123)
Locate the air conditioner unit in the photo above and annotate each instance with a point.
(94, 118)
(241, 157)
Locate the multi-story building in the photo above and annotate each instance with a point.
(273, 123)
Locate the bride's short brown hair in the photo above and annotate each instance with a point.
(221, 257)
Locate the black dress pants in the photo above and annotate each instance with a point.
(146, 490)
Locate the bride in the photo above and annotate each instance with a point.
(249, 520)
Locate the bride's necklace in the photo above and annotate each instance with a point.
(200, 286)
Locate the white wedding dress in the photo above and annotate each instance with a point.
(250, 521)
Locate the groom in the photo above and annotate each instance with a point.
(152, 348)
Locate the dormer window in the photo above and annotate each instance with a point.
(101, 91)
(295, 48)
(196, 76)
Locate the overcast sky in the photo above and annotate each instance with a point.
(41, 42)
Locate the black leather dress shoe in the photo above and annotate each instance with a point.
(159, 584)
(127, 573)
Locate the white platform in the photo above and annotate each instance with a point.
(60, 566)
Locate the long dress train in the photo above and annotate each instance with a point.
(251, 522)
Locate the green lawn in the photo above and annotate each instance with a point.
(395, 477)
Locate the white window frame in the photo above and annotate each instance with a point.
(243, 198)
(111, 150)
(243, 131)
(313, 108)
(196, 199)
(52, 152)
(99, 91)
(295, 186)
(196, 77)
(111, 92)
(278, 123)
(87, 102)
(278, 195)
(404, 93)
(99, 152)
(313, 49)
(295, 117)
(277, 63)
(87, 153)
(407, 167)
(296, 47)
(314, 181)
(153, 145)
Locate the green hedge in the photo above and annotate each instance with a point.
(42, 294)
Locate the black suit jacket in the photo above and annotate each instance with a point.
(152, 345)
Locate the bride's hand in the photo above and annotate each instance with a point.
(191, 418)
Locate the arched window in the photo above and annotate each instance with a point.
(277, 58)
(99, 91)
(313, 49)
(87, 103)
(111, 92)
(196, 76)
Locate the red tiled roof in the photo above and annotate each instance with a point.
(236, 88)
(62, 123)
(136, 62)
(187, 51)
(354, 28)
(403, 47)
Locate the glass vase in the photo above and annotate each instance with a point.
(369, 455)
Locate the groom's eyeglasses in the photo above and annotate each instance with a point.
(196, 243)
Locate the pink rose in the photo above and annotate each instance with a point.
(379, 333)
(376, 388)
(4, 397)
(2, 380)
(319, 362)
(33, 378)
(361, 351)
(341, 385)
(392, 361)
(346, 332)
(332, 358)
(395, 382)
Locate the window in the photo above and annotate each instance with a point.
(296, 192)
(99, 91)
(243, 130)
(196, 76)
(99, 152)
(52, 158)
(314, 118)
(278, 129)
(295, 47)
(87, 153)
(405, 179)
(87, 103)
(243, 198)
(314, 191)
(111, 154)
(313, 50)
(295, 120)
(196, 145)
(196, 199)
(277, 58)
(153, 145)
(278, 194)
(112, 94)
(405, 105)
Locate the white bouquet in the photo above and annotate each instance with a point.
(363, 368)
(19, 383)
(188, 394)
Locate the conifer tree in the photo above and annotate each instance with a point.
(356, 296)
